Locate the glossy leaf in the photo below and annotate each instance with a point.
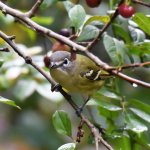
(108, 117)
(103, 19)
(119, 31)
(8, 102)
(77, 16)
(115, 49)
(68, 5)
(134, 124)
(143, 22)
(143, 115)
(121, 141)
(105, 105)
(62, 123)
(140, 141)
(68, 146)
(137, 34)
(109, 93)
(88, 33)
(139, 48)
(139, 105)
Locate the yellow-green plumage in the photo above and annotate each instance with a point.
(72, 77)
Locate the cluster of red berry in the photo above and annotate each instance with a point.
(124, 9)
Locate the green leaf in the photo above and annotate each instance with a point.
(77, 16)
(108, 117)
(88, 33)
(62, 123)
(8, 102)
(139, 48)
(24, 89)
(143, 115)
(4, 83)
(105, 105)
(43, 20)
(143, 22)
(68, 5)
(119, 31)
(141, 140)
(115, 49)
(31, 34)
(47, 3)
(109, 93)
(139, 105)
(121, 142)
(1, 62)
(103, 19)
(68, 146)
(137, 34)
(134, 124)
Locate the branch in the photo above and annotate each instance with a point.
(5, 49)
(34, 9)
(95, 132)
(130, 66)
(28, 60)
(141, 3)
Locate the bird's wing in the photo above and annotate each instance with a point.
(89, 70)
(91, 74)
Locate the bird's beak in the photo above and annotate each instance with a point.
(56, 65)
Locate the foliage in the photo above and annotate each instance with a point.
(122, 109)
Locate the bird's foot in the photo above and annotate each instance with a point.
(55, 87)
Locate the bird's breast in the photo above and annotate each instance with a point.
(74, 83)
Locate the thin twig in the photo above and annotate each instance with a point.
(5, 49)
(34, 9)
(141, 3)
(130, 79)
(120, 68)
(96, 133)
(83, 43)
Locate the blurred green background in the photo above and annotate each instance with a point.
(31, 127)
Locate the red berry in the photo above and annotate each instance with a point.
(93, 3)
(126, 11)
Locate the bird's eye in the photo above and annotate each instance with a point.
(66, 61)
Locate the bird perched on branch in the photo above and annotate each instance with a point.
(76, 73)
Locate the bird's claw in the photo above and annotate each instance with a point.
(55, 87)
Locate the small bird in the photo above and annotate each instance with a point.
(76, 73)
